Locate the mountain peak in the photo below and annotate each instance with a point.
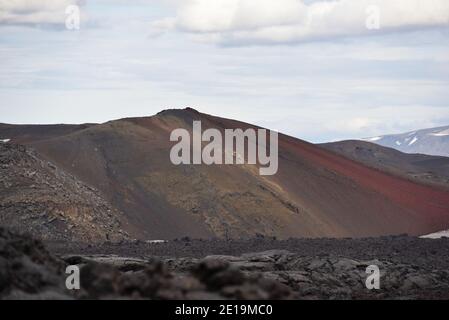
(177, 111)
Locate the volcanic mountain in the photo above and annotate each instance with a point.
(315, 193)
(417, 167)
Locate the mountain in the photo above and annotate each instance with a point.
(418, 167)
(315, 193)
(433, 141)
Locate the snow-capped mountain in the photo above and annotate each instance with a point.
(433, 141)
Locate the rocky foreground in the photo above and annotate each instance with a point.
(29, 271)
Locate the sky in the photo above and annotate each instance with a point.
(318, 70)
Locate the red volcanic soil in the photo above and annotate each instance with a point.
(428, 202)
(425, 169)
(316, 193)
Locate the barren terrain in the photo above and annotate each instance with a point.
(262, 268)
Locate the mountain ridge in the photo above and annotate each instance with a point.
(430, 141)
(315, 193)
(420, 168)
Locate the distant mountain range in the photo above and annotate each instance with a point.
(125, 166)
(433, 141)
(417, 167)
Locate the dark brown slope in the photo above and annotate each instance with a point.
(315, 193)
(418, 167)
(39, 198)
(32, 133)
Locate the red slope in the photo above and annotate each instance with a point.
(429, 202)
(425, 207)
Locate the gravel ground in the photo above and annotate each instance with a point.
(262, 268)
(431, 253)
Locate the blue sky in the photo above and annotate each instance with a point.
(253, 60)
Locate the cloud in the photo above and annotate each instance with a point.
(35, 12)
(238, 22)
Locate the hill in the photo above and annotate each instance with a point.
(315, 193)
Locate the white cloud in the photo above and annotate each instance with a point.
(235, 15)
(34, 12)
(318, 91)
(268, 21)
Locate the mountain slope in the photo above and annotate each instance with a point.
(39, 198)
(418, 167)
(32, 133)
(433, 141)
(316, 193)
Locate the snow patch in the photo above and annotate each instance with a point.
(5, 140)
(374, 139)
(398, 143)
(156, 241)
(413, 141)
(440, 133)
(437, 235)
